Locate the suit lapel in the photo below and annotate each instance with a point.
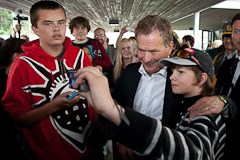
(132, 84)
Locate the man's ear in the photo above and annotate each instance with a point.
(204, 78)
(170, 48)
(35, 30)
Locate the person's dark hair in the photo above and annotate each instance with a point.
(132, 38)
(79, 21)
(175, 41)
(184, 46)
(1, 42)
(190, 39)
(8, 48)
(43, 5)
(155, 22)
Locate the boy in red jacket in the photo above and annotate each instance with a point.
(54, 126)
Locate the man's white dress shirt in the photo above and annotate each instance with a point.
(149, 97)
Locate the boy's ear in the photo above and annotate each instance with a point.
(35, 30)
(204, 78)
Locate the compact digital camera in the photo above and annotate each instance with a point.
(82, 87)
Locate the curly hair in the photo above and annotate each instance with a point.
(79, 21)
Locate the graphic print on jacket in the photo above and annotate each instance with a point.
(73, 123)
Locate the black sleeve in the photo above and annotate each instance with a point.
(139, 133)
(203, 138)
(117, 92)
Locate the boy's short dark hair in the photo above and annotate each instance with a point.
(43, 5)
(190, 39)
(79, 21)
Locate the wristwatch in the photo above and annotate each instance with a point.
(225, 108)
(223, 98)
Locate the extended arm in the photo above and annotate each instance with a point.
(145, 135)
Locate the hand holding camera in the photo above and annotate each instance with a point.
(72, 78)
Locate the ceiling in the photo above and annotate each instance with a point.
(129, 12)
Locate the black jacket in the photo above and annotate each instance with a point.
(126, 87)
(233, 132)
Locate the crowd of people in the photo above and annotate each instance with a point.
(154, 96)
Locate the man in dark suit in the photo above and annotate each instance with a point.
(146, 87)
(228, 84)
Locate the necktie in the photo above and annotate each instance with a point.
(228, 83)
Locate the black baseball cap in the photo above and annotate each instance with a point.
(191, 57)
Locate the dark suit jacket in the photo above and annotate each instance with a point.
(126, 87)
(224, 73)
(233, 133)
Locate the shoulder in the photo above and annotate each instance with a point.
(133, 66)
(218, 56)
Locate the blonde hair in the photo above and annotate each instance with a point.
(118, 67)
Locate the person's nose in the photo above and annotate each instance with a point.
(172, 77)
(56, 27)
(147, 57)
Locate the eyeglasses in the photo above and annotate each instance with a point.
(99, 36)
(186, 55)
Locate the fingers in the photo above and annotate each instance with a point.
(100, 68)
(62, 101)
(201, 107)
(81, 75)
(89, 69)
(205, 106)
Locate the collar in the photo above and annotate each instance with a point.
(237, 56)
(230, 55)
(162, 72)
(62, 53)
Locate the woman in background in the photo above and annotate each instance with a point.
(124, 58)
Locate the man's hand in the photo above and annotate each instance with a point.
(123, 30)
(99, 96)
(206, 105)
